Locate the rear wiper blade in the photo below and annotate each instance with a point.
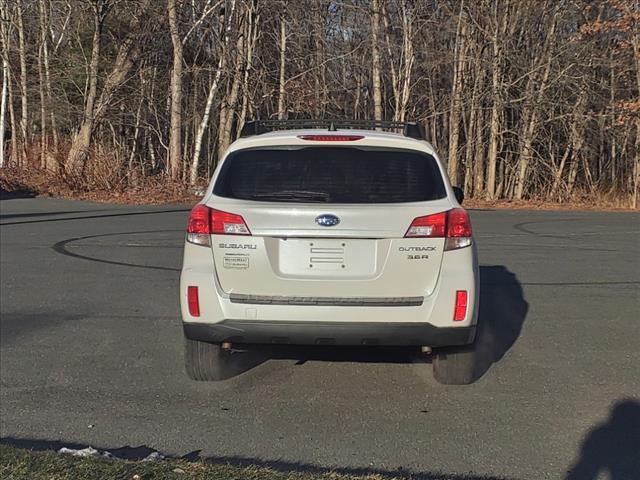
(293, 195)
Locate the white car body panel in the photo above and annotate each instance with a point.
(288, 258)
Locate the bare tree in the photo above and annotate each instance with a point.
(375, 60)
(456, 95)
(3, 108)
(6, 27)
(24, 94)
(226, 21)
(82, 140)
(524, 98)
(175, 133)
(283, 62)
(128, 53)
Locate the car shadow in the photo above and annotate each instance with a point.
(502, 313)
(613, 446)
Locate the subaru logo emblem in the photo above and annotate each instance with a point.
(327, 220)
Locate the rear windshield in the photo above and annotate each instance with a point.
(330, 175)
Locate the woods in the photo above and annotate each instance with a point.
(521, 98)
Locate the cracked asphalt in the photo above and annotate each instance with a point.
(91, 354)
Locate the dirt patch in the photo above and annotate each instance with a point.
(26, 182)
(153, 190)
(599, 204)
(12, 188)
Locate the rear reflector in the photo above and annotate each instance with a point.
(460, 312)
(331, 138)
(205, 221)
(194, 303)
(454, 225)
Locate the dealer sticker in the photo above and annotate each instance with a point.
(238, 262)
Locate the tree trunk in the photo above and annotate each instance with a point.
(128, 53)
(175, 132)
(636, 169)
(395, 84)
(356, 102)
(375, 60)
(228, 112)
(636, 164)
(82, 140)
(193, 129)
(557, 178)
(283, 54)
(13, 158)
(3, 108)
(531, 103)
(24, 94)
(500, 187)
(478, 166)
(470, 135)
(134, 146)
(43, 112)
(213, 89)
(252, 38)
(496, 102)
(44, 26)
(318, 39)
(612, 99)
(456, 96)
(5, 36)
(577, 141)
(408, 59)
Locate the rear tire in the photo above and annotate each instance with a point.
(455, 365)
(208, 361)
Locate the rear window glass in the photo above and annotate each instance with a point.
(331, 175)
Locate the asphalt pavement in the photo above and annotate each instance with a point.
(91, 354)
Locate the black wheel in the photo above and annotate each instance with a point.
(455, 365)
(207, 361)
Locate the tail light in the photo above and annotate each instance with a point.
(460, 311)
(205, 221)
(429, 226)
(198, 228)
(331, 138)
(223, 223)
(453, 225)
(193, 301)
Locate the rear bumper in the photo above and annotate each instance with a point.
(329, 333)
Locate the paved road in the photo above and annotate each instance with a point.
(91, 353)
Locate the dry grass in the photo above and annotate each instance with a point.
(105, 180)
(597, 202)
(21, 464)
(157, 189)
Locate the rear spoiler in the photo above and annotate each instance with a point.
(258, 127)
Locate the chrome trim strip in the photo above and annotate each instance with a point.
(328, 301)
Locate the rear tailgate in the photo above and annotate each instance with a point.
(374, 194)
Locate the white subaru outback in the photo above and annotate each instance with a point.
(344, 236)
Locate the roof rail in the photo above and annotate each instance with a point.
(257, 127)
